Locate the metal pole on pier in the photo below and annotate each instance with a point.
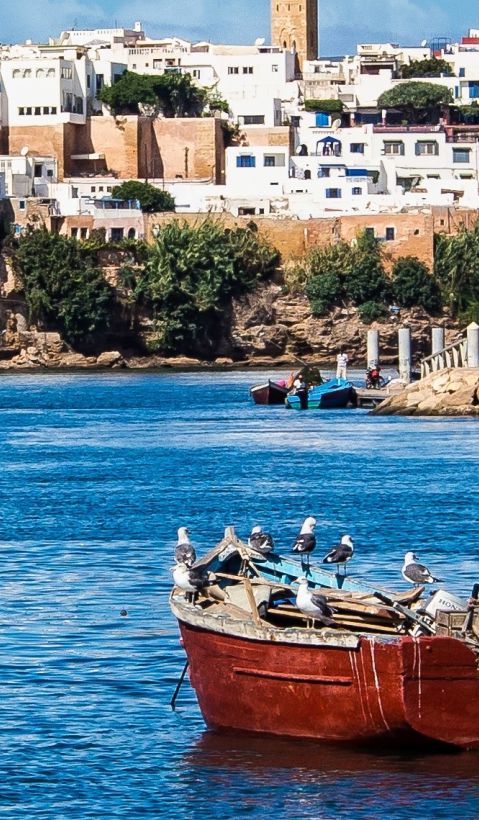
(473, 345)
(438, 340)
(373, 348)
(404, 340)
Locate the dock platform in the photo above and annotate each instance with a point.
(370, 398)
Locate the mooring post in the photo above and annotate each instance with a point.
(404, 343)
(373, 348)
(473, 345)
(438, 340)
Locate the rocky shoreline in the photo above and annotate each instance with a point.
(448, 392)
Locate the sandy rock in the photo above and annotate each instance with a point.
(223, 361)
(109, 358)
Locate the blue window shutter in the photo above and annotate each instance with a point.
(322, 120)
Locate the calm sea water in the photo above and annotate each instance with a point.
(97, 472)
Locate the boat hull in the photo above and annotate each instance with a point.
(380, 689)
(269, 393)
(332, 395)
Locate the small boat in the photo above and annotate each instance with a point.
(269, 392)
(330, 395)
(381, 672)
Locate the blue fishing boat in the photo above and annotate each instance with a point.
(332, 394)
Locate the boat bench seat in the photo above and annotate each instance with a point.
(236, 594)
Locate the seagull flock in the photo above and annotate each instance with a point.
(192, 579)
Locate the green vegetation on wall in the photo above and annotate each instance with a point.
(151, 199)
(171, 94)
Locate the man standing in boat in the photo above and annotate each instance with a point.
(301, 390)
(342, 365)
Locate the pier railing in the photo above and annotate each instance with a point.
(455, 355)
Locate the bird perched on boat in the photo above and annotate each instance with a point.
(306, 540)
(191, 579)
(415, 573)
(313, 604)
(185, 551)
(260, 541)
(341, 553)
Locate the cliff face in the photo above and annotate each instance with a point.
(449, 392)
(270, 323)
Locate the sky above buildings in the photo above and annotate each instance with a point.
(343, 22)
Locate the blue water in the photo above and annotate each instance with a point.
(97, 472)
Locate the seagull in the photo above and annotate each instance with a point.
(191, 579)
(184, 552)
(341, 553)
(313, 605)
(306, 540)
(416, 573)
(260, 541)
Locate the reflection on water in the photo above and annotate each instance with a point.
(97, 472)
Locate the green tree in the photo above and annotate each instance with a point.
(323, 291)
(372, 312)
(414, 285)
(418, 101)
(456, 267)
(152, 200)
(191, 275)
(365, 279)
(64, 288)
(429, 67)
(171, 94)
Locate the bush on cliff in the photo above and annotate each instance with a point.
(342, 273)
(372, 312)
(190, 276)
(64, 289)
(456, 266)
(414, 285)
(172, 94)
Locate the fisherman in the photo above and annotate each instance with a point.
(342, 365)
(301, 390)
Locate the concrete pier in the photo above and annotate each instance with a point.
(438, 340)
(373, 348)
(405, 360)
(473, 345)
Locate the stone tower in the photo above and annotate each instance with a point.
(294, 24)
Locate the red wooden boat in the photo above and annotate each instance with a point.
(257, 669)
(269, 392)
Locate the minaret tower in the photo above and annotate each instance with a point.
(295, 24)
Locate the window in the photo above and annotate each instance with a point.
(99, 82)
(131, 233)
(390, 234)
(38, 170)
(394, 148)
(101, 188)
(247, 69)
(39, 73)
(66, 73)
(93, 189)
(357, 147)
(427, 149)
(462, 72)
(246, 161)
(109, 189)
(357, 191)
(251, 119)
(233, 69)
(473, 91)
(83, 233)
(22, 205)
(196, 73)
(27, 74)
(333, 193)
(324, 172)
(46, 109)
(53, 109)
(28, 111)
(307, 174)
(466, 176)
(74, 233)
(369, 232)
(51, 72)
(117, 234)
(16, 73)
(275, 68)
(50, 172)
(88, 80)
(461, 154)
(38, 111)
(274, 161)
(21, 111)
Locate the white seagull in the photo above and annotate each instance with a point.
(341, 553)
(185, 551)
(306, 540)
(260, 541)
(191, 579)
(415, 573)
(313, 605)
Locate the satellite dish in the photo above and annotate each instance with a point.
(260, 41)
(336, 124)
(424, 43)
(24, 151)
